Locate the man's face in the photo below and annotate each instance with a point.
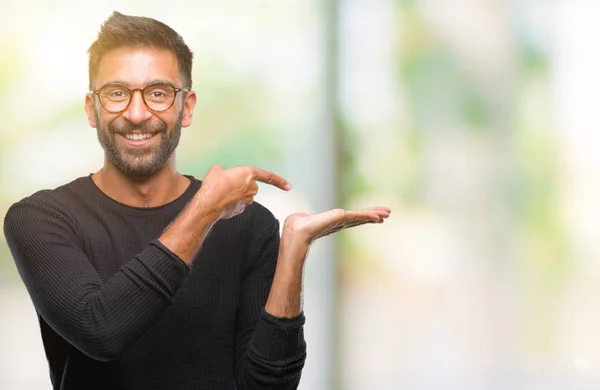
(156, 134)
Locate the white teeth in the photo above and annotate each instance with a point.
(138, 137)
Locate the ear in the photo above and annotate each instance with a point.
(89, 109)
(188, 109)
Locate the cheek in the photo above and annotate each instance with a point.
(165, 121)
(99, 120)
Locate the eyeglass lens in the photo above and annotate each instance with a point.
(116, 97)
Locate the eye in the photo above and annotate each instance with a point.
(115, 93)
(158, 92)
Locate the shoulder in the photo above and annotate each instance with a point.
(259, 219)
(57, 198)
(260, 213)
(262, 227)
(46, 204)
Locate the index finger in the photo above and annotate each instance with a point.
(271, 178)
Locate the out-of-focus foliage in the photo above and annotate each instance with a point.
(447, 112)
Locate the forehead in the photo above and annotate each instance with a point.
(137, 66)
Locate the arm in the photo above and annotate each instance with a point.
(276, 351)
(299, 232)
(270, 351)
(99, 318)
(103, 318)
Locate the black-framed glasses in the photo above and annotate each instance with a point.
(158, 97)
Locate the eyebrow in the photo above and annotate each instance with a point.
(153, 82)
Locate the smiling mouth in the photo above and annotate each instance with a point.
(138, 137)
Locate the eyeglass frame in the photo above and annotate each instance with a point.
(175, 89)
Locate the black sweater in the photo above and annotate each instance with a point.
(119, 310)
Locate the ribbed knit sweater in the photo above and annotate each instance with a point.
(119, 310)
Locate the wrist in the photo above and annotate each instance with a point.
(285, 297)
(292, 245)
(293, 252)
(293, 236)
(209, 209)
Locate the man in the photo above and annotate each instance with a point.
(144, 278)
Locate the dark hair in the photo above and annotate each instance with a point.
(123, 30)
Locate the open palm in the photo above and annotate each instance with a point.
(310, 227)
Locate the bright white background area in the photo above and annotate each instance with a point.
(475, 121)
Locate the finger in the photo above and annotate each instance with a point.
(383, 211)
(378, 208)
(368, 215)
(253, 188)
(334, 216)
(338, 218)
(351, 224)
(386, 210)
(348, 225)
(271, 178)
(389, 210)
(380, 212)
(341, 226)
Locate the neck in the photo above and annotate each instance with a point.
(161, 188)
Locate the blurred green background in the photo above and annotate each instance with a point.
(475, 121)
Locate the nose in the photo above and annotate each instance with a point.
(137, 112)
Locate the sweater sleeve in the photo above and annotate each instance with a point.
(270, 351)
(99, 318)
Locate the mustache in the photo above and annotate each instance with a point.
(145, 127)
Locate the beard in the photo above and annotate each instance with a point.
(139, 162)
